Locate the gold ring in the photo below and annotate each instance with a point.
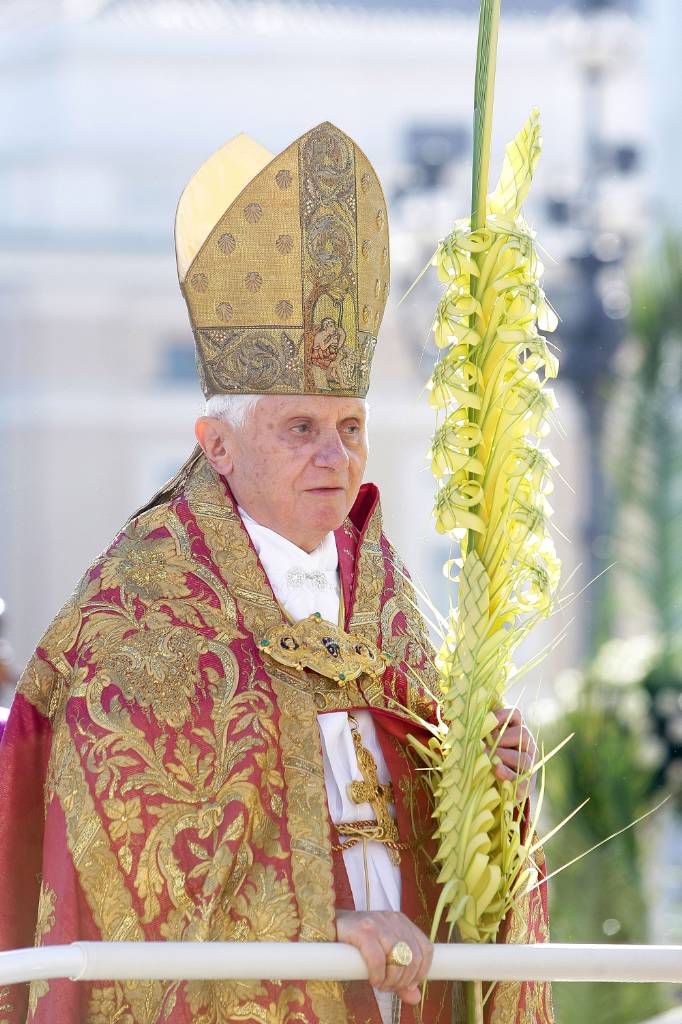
(400, 955)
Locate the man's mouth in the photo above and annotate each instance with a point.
(325, 490)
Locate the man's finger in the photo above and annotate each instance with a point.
(427, 956)
(410, 995)
(375, 958)
(502, 772)
(397, 975)
(511, 737)
(516, 736)
(396, 978)
(519, 761)
(508, 716)
(428, 961)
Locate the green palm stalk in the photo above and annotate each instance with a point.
(493, 481)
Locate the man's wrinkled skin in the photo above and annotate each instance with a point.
(296, 466)
(297, 463)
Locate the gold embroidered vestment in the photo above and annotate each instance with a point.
(164, 780)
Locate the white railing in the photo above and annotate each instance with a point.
(99, 961)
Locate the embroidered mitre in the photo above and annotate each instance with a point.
(284, 264)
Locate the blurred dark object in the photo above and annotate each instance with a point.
(664, 689)
(588, 337)
(626, 158)
(178, 367)
(588, 6)
(430, 149)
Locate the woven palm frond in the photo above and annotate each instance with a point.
(493, 483)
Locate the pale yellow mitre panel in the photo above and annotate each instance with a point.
(211, 190)
(248, 270)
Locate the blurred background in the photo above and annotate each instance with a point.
(106, 109)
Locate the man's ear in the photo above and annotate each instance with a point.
(214, 437)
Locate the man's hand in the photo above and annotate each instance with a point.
(374, 933)
(516, 750)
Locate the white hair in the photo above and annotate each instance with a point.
(232, 409)
(236, 409)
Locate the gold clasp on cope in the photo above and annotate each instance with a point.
(316, 644)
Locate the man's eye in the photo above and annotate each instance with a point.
(301, 428)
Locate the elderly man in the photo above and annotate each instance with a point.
(210, 742)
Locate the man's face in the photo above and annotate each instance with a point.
(297, 463)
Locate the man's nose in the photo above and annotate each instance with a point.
(331, 452)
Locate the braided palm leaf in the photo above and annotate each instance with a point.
(489, 388)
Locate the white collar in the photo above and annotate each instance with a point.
(278, 551)
(303, 582)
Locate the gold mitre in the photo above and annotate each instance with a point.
(283, 262)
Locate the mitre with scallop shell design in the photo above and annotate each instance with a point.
(283, 262)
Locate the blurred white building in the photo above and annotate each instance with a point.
(663, 65)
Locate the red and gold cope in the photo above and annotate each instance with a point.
(161, 777)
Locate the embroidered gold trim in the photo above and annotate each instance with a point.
(99, 873)
(306, 810)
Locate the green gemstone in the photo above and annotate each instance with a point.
(318, 615)
(342, 675)
(265, 643)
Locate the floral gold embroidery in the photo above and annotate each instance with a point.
(241, 360)
(105, 1007)
(124, 816)
(45, 920)
(44, 924)
(268, 906)
(39, 684)
(159, 669)
(148, 569)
